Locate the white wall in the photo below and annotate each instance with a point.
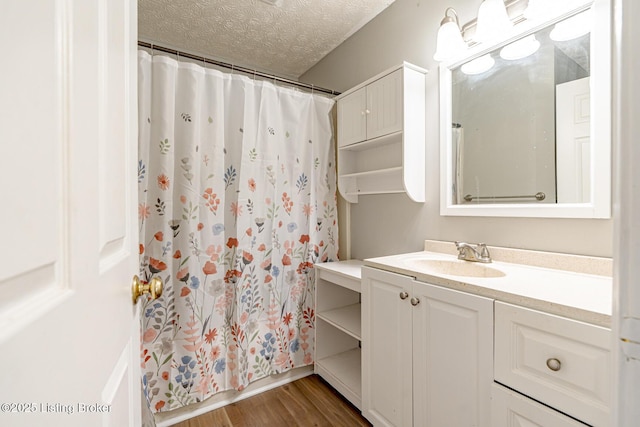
(387, 224)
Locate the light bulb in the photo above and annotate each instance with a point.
(449, 41)
(573, 27)
(520, 48)
(493, 21)
(478, 65)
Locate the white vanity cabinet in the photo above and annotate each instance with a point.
(427, 353)
(511, 409)
(338, 331)
(560, 362)
(381, 135)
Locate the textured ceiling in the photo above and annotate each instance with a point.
(285, 40)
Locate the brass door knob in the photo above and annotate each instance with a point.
(154, 288)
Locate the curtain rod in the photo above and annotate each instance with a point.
(178, 53)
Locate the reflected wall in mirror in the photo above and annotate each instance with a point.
(527, 124)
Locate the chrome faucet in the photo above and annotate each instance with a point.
(468, 252)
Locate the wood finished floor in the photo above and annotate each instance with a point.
(306, 402)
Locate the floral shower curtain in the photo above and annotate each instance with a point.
(236, 203)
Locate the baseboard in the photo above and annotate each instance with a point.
(166, 419)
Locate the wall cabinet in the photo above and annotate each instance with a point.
(338, 331)
(381, 135)
(426, 352)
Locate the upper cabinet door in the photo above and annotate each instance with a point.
(384, 105)
(352, 118)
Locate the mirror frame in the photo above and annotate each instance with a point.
(599, 205)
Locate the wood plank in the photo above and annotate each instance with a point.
(263, 409)
(216, 418)
(309, 401)
(300, 408)
(329, 402)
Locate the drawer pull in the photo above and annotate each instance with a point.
(554, 364)
(404, 295)
(415, 301)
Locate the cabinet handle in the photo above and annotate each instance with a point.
(367, 111)
(554, 364)
(415, 301)
(363, 112)
(404, 295)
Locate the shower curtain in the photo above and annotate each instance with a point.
(236, 203)
(457, 142)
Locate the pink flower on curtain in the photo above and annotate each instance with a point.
(236, 209)
(287, 203)
(212, 201)
(209, 268)
(163, 182)
(143, 211)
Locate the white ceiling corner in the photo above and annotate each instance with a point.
(284, 40)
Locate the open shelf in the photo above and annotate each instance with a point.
(373, 172)
(347, 319)
(391, 138)
(343, 372)
(339, 327)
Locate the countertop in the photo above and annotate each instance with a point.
(579, 296)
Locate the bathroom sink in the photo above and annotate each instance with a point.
(454, 268)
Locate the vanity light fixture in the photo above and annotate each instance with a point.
(478, 65)
(520, 48)
(449, 40)
(493, 21)
(545, 9)
(573, 27)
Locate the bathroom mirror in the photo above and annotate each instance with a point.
(525, 123)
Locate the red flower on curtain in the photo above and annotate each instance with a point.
(156, 266)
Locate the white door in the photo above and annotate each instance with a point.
(69, 339)
(573, 141)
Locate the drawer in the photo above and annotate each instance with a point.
(560, 362)
(511, 409)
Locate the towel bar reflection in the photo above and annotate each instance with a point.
(539, 196)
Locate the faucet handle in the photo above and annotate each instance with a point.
(484, 251)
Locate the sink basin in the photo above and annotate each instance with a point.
(454, 268)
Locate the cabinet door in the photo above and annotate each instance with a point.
(352, 120)
(511, 409)
(384, 105)
(386, 348)
(452, 357)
